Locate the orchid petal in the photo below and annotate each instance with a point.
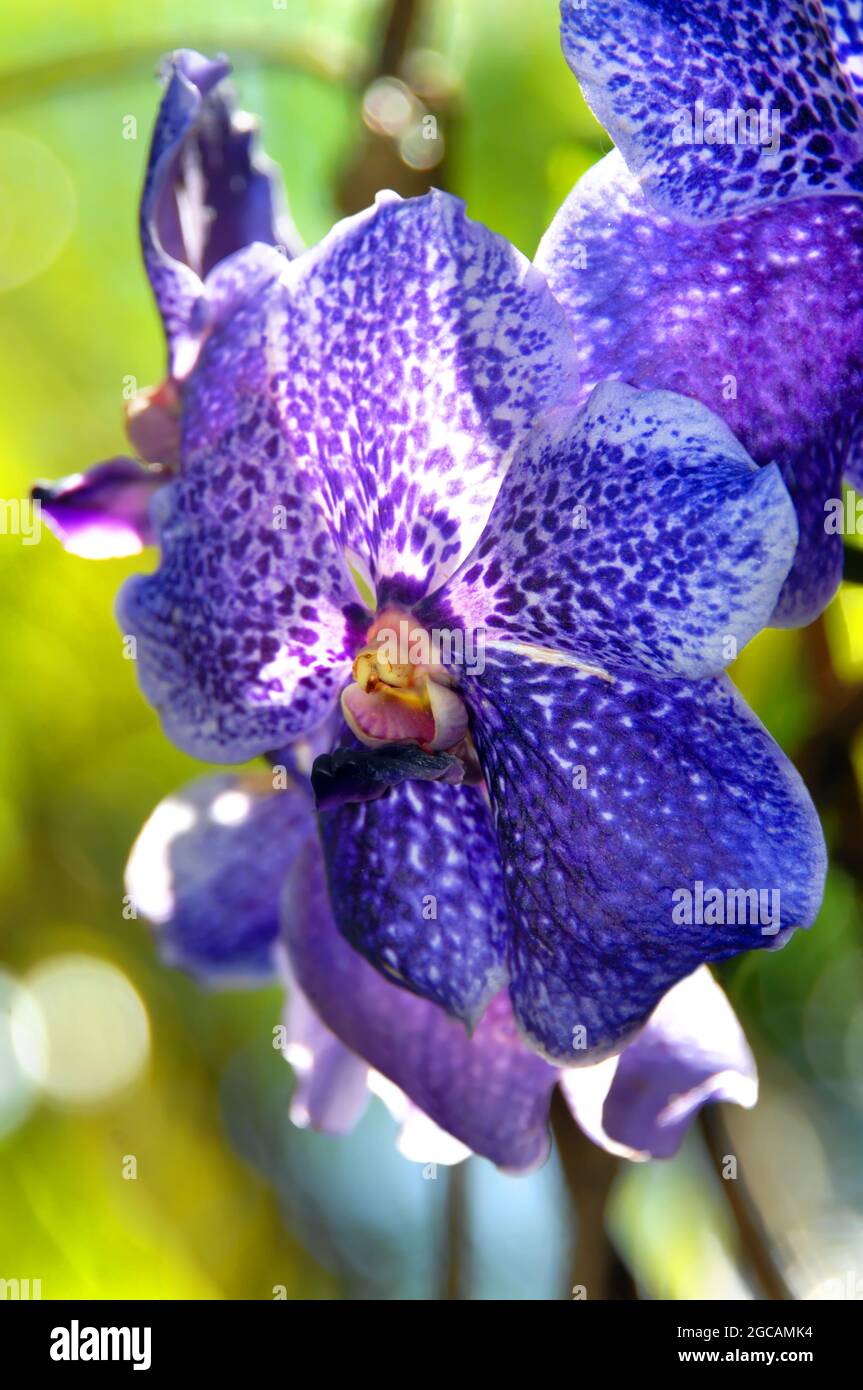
(416, 349)
(207, 870)
(332, 1092)
(741, 316)
(634, 534)
(626, 809)
(415, 886)
(488, 1091)
(208, 194)
(245, 632)
(104, 513)
(673, 81)
(691, 1052)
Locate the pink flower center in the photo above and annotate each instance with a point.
(400, 694)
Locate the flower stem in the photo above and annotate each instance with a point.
(455, 1263)
(755, 1244)
(589, 1174)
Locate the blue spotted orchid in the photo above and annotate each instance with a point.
(467, 869)
(718, 250)
(233, 877)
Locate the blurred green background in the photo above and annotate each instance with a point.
(229, 1201)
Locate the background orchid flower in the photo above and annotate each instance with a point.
(212, 213)
(730, 271)
(388, 429)
(231, 873)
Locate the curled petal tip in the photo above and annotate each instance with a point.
(104, 513)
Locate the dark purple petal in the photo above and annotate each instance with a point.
(614, 800)
(244, 633)
(854, 460)
(208, 194)
(487, 1090)
(656, 72)
(845, 20)
(207, 870)
(104, 513)
(691, 1052)
(416, 887)
(636, 534)
(415, 349)
(176, 285)
(741, 315)
(363, 774)
(814, 478)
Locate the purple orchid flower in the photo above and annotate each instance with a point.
(211, 209)
(718, 251)
(231, 873)
(386, 436)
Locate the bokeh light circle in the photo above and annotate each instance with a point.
(38, 208)
(23, 1044)
(96, 1025)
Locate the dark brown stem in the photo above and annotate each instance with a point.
(589, 1173)
(455, 1263)
(754, 1240)
(397, 35)
(377, 163)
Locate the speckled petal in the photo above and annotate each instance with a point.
(813, 475)
(692, 1052)
(613, 801)
(244, 633)
(360, 409)
(488, 1090)
(208, 194)
(854, 460)
(105, 512)
(663, 75)
(416, 886)
(635, 534)
(845, 20)
(416, 350)
(742, 315)
(207, 869)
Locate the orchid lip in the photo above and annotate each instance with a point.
(398, 695)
